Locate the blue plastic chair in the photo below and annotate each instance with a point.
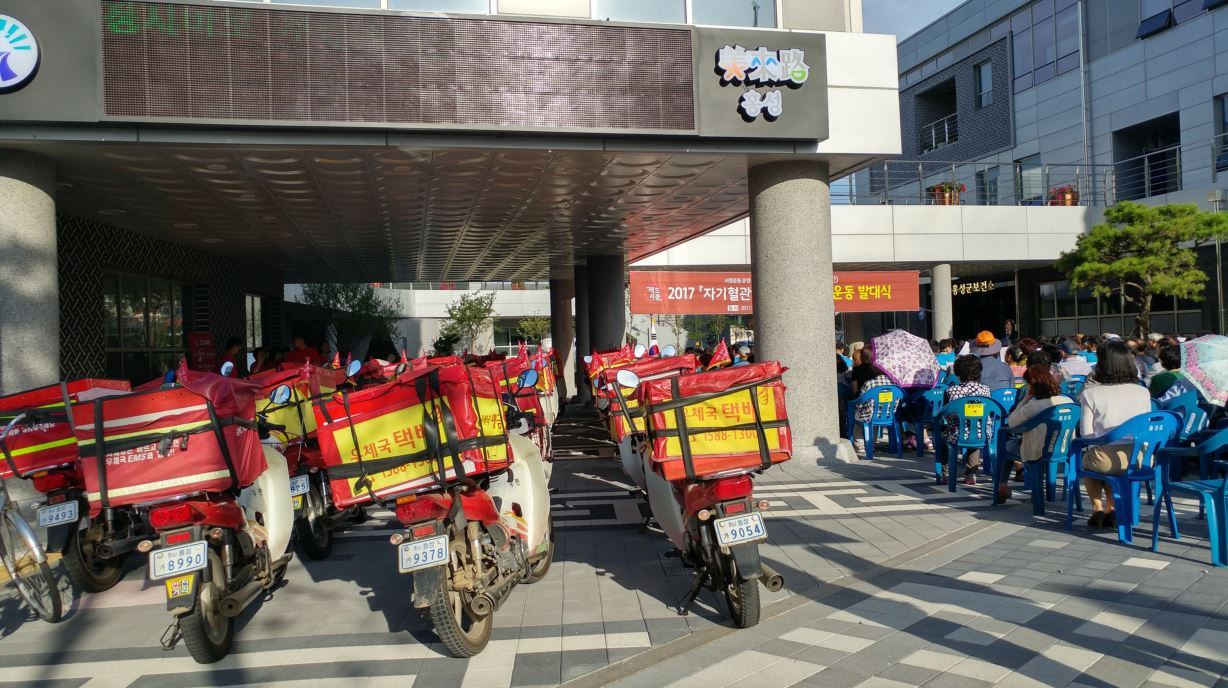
(1073, 387)
(1193, 423)
(979, 420)
(1061, 422)
(931, 399)
(1007, 397)
(1147, 434)
(885, 400)
(1211, 492)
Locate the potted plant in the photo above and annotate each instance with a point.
(947, 192)
(1064, 195)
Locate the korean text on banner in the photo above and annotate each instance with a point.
(731, 293)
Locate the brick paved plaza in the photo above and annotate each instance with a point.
(891, 581)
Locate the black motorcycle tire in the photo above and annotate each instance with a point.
(313, 536)
(449, 615)
(90, 573)
(540, 567)
(207, 633)
(742, 597)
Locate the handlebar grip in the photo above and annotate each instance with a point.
(273, 426)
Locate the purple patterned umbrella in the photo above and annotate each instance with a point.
(905, 358)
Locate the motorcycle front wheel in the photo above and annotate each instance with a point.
(742, 598)
(87, 570)
(207, 632)
(463, 633)
(34, 580)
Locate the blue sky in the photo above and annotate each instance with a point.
(903, 17)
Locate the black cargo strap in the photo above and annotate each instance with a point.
(627, 413)
(221, 441)
(388, 463)
(364, 482)
(684, 439)
(707, 396)
(444, 414)
(116, 446)
(765, 456)
(100, 455)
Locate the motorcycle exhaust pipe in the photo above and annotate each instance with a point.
(482, 605)
(771, 579)
(233, 605)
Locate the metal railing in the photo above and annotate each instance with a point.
(940, 133)
(1153, 173)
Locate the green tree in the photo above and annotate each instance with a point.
(1142, 252)
(468, 316)
(534, 328)
(354, 310)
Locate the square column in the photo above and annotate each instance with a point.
(584, 345)
(29, 276)
(790, 249)
(561, 293)
(944, 312)
(607, 302)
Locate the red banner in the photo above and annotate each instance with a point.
(730, 293)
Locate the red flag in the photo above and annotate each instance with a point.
(336, 360)
(595, 366)
(523, 351)
(720, 357)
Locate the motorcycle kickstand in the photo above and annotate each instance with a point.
(701, 578)
(171, 637)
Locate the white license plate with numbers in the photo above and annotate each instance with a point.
(738, 529)
(57, 514)
(423, 554)
(299, 484)
(173, 561)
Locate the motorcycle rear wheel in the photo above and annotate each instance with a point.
(313, 535)
(742, 598)
(207, 632)
(88, 571)
(462, 633)
(33, 578)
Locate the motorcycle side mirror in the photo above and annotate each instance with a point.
(401, 368)
(640, 350)
(588, 359)
(626, 378)
(669, 350)
(352, 369)
(227, 369)
(527, 379)
(280, 394)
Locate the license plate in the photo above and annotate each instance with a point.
(173, 561)
(423, 554)
(738, 529)
(55, 515)
(299, 484)
(296, 502)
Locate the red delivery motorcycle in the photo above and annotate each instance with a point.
(216, 499)
(707, 435)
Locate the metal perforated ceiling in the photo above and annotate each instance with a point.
(386, 214)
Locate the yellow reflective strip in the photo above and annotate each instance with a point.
(187, 426)
(40, 447)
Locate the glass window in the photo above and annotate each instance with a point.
(142, 326)
(134, 331)
(735, 12)
(1043, 9)
(1023, 52)
(1029, 181)
(1021, 22)
(1148, 8)
(374, 4)
(160, 310)
(1087, 302)
(463, 6)
(1065, 300)
(1111, 305)
(1048, 303)
(987, 186)
(1044, 47)
(1185, 10)
(1068, 31)
(1154, 24)
(656, 11)
(1067, 63)
(110, 309)
(984, 84)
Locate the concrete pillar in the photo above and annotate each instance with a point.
(790, 250)
(854, 328)
(561, 293)
(607, 301)
(29, 278)
(944, 313)
(584, 344)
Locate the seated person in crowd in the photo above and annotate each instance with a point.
(946, 353)
(1072, 362)
(1116, 398)
(1090, 349)
(994, 374)
(968, 370)
(865, 376)
(1042, 391)
(1017, 360)
(1171, 383)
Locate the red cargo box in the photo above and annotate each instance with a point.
(198, 436)
(505, 374)
(646, 369)
(718, 421)
(29, 449)
(411, 434)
